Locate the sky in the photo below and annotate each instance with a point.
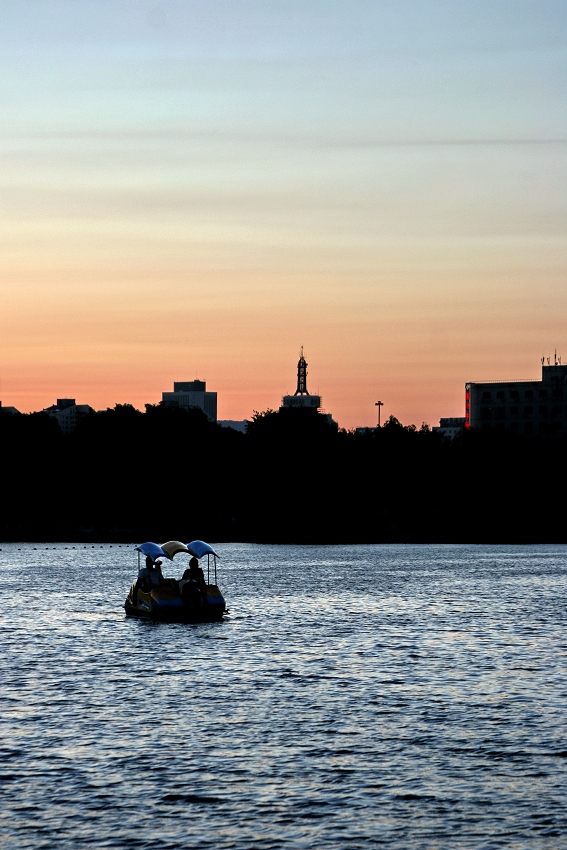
(198, 188)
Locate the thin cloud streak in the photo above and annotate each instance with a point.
(277, 139)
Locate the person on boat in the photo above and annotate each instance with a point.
(194, 576)
(195, 573)
(150, 575)
(156, 575)
(145, 571)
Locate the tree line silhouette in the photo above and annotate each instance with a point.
(170, 473)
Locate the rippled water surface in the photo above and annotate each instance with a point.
(396, 696)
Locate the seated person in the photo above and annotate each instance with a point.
(156, 575)
(193, 578)
(195, 573)
(150, 575)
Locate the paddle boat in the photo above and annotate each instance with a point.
(190, 599)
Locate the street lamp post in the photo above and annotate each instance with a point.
(379, 405)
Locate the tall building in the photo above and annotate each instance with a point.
(523, 407)
(67, 414)
(301, 398)
(188, 394)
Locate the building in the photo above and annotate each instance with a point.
(68, 414)
(8, 409)
(236, 424)
(188, 394)
(450, 426)
(301, 397)
(522, 407)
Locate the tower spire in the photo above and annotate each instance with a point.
(301, 375)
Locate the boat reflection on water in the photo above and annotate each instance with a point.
(190, 599)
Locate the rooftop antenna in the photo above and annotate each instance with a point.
(542, 360)
(556, 357)
(548, 359)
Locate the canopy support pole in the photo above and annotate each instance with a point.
(208, 568)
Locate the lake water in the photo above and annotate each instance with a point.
(368, 696)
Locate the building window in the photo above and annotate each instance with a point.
(500, 412)
(529, 394)
(556, 411)
(514, 411)
(543, 393)
(528, 410)
(515, 395)
(543, 410)
(485, 413)
(486, 396)
(500, 395)
(528, 428)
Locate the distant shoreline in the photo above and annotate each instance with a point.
(127, 539)
(292, 479)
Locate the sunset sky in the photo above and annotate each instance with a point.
(196, 189)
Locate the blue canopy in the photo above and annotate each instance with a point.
(200, 548)
(153, 550)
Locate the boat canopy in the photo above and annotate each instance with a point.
(198, 548)
(168, 550)
(173, 547)
(153, 550)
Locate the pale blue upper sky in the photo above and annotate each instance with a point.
(343, 72)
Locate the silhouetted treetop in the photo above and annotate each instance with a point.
(172, 473)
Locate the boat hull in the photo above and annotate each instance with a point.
(168, 603)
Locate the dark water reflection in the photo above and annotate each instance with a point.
(397, 696)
